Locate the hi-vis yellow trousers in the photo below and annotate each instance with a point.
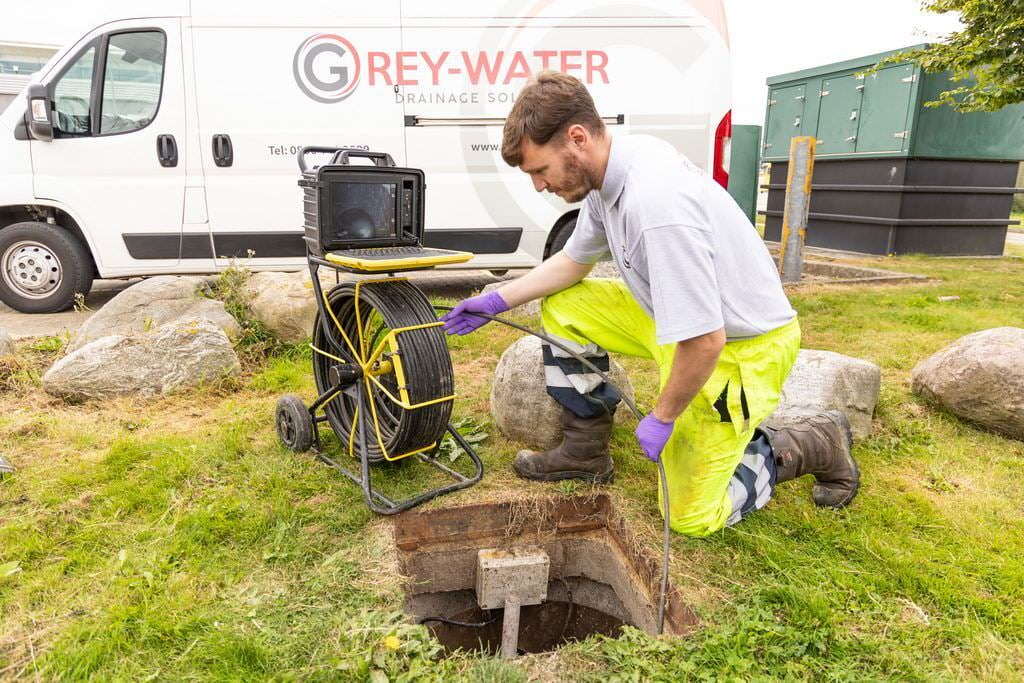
(718, 467)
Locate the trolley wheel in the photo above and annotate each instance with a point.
(294, 425)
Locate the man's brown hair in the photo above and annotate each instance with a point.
(547, 105)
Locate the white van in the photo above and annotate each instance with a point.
(166, 144)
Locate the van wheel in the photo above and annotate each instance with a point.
(42, 267)
(561, 237)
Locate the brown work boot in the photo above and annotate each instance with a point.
(819, 445)
(583, 453)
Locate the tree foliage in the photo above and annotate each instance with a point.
(985, 58)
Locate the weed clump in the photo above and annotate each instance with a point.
(24, 370)
(255, 343)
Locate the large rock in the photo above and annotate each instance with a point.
(520, 405)
(173, 356)
(979, 377)
(284, 303)
(823, 380)
(6, 343)
(152, 303)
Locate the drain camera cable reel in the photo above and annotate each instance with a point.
(667, 532)
(381, 363)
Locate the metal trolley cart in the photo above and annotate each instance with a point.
(380, 358)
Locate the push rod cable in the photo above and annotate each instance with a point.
(667, 532)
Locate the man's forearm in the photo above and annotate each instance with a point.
(692, 365)
(554, 275)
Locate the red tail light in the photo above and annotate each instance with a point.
(723, 149)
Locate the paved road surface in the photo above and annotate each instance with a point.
(454, 284)
(22, 325)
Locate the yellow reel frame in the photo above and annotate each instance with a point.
(362, 375)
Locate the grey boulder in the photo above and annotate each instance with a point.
(173, 356)
(520, 405)
(824, 380)
(979, 377)
(152, 303)
(285, 303)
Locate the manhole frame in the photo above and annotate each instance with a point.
(529, 521)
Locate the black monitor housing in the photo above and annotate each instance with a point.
(358, 206)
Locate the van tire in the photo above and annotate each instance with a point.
(60, 253)
(561, 237)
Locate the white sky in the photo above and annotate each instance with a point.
(768, 37)
(772, 37)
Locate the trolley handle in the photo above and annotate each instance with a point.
(378, 158)
(342, 155)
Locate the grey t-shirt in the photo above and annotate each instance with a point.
(685, 249)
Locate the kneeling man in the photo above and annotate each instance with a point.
(699, 295)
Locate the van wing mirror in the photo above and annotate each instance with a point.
(39, 116)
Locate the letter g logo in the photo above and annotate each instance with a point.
(326, 68)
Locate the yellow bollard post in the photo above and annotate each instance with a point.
(798, 205)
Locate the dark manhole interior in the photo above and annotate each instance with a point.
(543, 627)
(600, 578)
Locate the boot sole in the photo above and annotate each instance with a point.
(602, 478)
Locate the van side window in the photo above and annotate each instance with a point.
(72, 95)
(132, 81)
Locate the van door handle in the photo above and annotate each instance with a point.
(223, 154)
(167, 150)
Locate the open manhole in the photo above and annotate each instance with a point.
(598, 579)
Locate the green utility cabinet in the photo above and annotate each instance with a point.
(892, 175)
(852, 114)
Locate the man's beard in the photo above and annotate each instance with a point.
(577, 184)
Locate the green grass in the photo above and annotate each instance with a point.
(175, 539)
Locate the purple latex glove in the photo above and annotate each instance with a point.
(459, 321)
(653, 434)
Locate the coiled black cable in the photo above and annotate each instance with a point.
(426, 364)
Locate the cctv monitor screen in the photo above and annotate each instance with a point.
(363, 211)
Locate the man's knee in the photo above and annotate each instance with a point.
(560, 299)
(558, 306)
(697, 526)
(696, 515)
